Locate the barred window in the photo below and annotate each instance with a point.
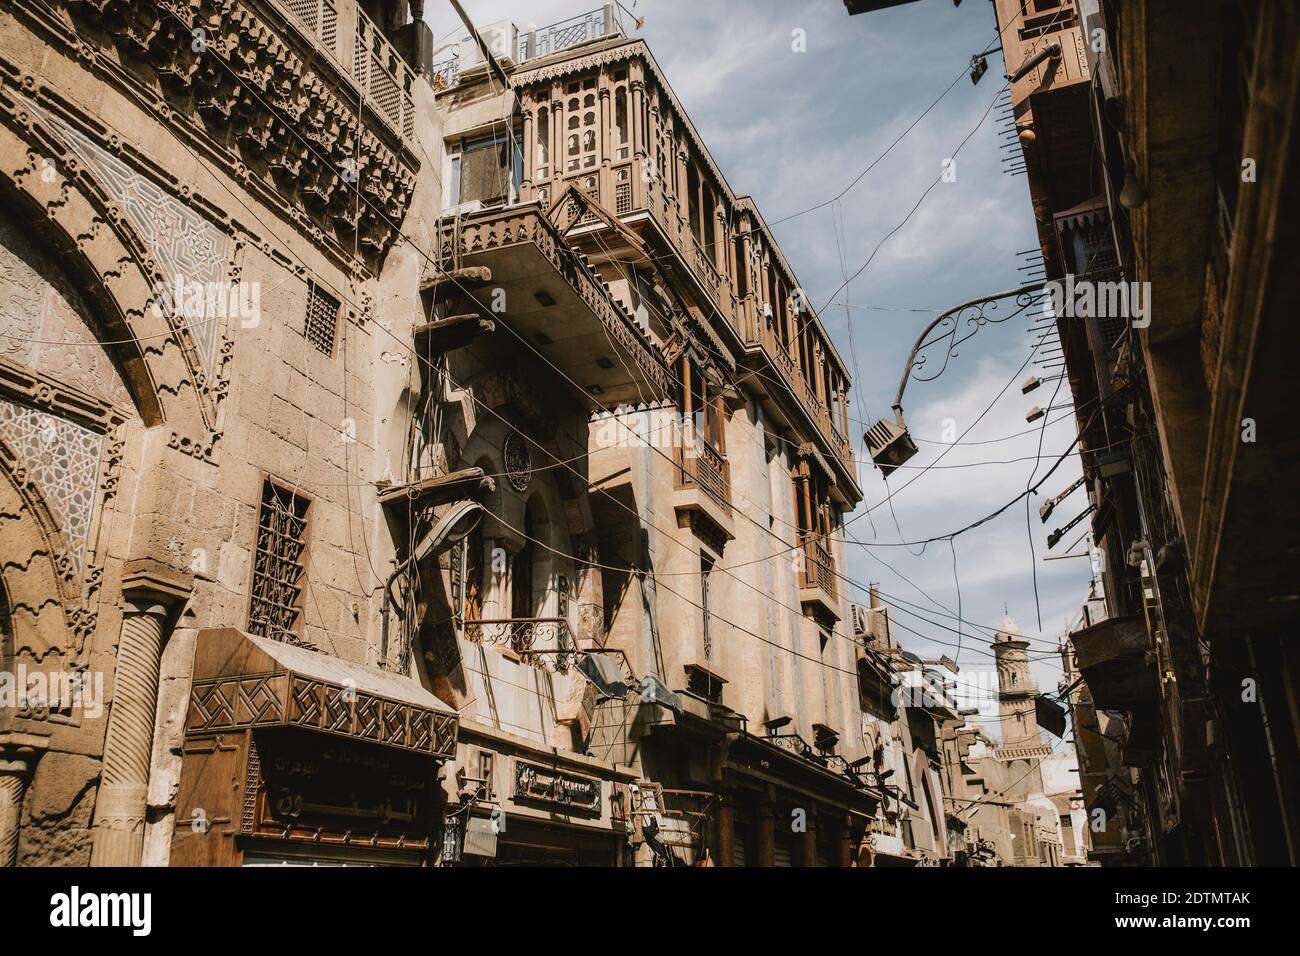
(322, 318)
(279, 564)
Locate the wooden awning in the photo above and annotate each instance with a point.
(1111, 655)
(242, 682)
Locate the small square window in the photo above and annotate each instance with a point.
(322, 318)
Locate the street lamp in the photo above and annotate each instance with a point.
(1036, 413)
(1045, 511)
(890, 443)
(946, 662)
(1034, 381)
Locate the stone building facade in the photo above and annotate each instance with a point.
(406, 464)
(206, 325)
(696, 548)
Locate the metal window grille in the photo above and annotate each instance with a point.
(322, 318)
(706, 568)
(278, 564)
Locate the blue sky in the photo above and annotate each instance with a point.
(792, 129)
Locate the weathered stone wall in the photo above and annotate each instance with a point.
(124, 178)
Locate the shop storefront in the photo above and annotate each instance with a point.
(292, 757)
(513, 803)
(788, 810)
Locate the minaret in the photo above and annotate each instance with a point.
(1016, 690)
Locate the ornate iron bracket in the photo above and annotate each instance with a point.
(960, 323)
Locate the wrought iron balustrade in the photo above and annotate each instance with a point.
(601, 22)
(525, 634)
(605, 21)
(796, 745)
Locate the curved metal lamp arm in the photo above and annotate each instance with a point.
(1025, 295)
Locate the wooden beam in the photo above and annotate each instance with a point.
(471, 275)
(453, 332)
(441, 489)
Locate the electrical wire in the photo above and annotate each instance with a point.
(398, 232)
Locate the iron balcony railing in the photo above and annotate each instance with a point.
(606, 20)
(527, 634)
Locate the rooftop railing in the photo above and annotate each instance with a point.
(606, 20)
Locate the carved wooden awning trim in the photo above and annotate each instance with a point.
(242, 682)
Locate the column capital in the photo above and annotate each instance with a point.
(20, 751)
(147, 579)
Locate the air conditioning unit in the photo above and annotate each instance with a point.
(859, 616)
(501, 38)
(481, 838)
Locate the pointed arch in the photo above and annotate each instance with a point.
(61, 203)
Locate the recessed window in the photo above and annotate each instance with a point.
(279, 566)
(486, 768)
(488, 170)
(322, 318)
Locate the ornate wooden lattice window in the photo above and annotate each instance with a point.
(580, 141)
(1041, 17)
(542, 157)
(622, 126)
(279, 565)
(321, 322)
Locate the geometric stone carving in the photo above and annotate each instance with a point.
(62, 460)
(263, 88)
(184, 246)
(45, 324)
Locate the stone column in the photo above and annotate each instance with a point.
(151, 592)
(808, 841)
(18, 756)
(767, 834)
(845, 841)
(726, 831)
(529, 109)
